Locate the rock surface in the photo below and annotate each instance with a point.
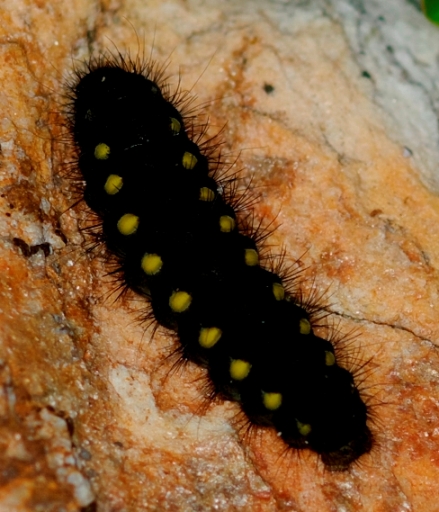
(332, 108)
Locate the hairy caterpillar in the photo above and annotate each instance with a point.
(180, 241)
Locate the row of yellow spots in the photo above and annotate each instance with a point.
(180, 300)
(239, 369)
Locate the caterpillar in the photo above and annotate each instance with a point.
(181, 241)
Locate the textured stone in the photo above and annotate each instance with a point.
(332, 107)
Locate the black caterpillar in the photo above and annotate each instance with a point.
(173, 226)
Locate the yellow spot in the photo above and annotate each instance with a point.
(128, 224)
(113, 184)
(189, 160)
(175, 125)
(206, 194)
(180, 301)
(278, 291)
(227, 223)
(303, 428)
(151, 264)
(209, 336)
(272, 401)
(239, 369)
(251, 257)
(102, 151)
(304, 326)
(329, 358)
